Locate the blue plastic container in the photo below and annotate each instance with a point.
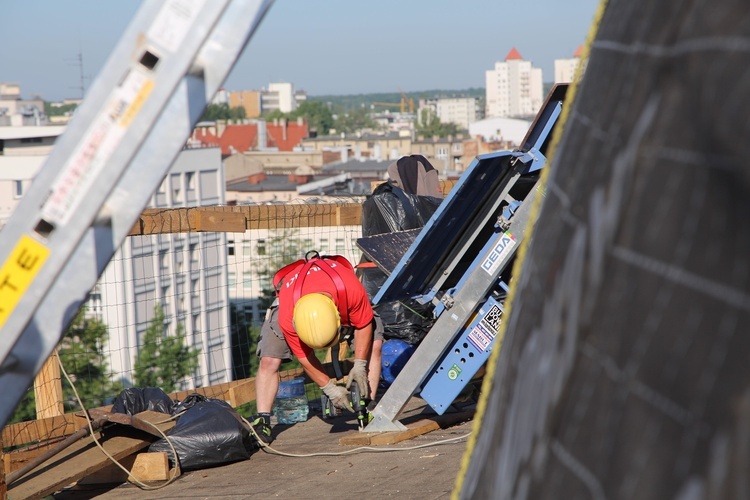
(291, 406)
(395, 354)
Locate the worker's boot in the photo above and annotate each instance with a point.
(262, 426)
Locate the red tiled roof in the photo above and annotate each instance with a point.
(286, 142)
(241, 138)
(513, 54)
(578, 51)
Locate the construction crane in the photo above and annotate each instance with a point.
(400, 105)
(404, 99)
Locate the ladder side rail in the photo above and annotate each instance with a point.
(81, 182)
(124, 205)
(450, 324)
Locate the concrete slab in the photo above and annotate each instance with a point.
(426, 473)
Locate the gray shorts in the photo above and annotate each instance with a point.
(272, 343)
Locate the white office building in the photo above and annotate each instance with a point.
(513, 88)
(565, 69)
(185, 273)
(281, 96)
(463, 111)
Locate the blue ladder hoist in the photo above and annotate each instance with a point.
(460, 262)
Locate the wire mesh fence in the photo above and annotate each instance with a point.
(177, 310)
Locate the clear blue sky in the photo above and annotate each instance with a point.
(322, 47)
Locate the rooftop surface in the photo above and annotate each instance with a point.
(428, 472)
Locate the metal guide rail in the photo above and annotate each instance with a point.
(135, 119)
(460, 263)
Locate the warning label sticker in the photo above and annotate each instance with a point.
(480, 337)
(18, 272)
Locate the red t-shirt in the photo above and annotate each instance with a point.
(317, 281)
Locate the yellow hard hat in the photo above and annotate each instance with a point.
(316, 320)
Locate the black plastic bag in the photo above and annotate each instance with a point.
(208, 434)
(390, 209)
(135, 400)
(406, 320)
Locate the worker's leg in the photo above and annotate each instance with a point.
(272, 350)
(267, 383)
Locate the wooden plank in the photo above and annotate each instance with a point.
(413, 429)
(48, 389)
(150, 467)
(84, 458)
(111, 474)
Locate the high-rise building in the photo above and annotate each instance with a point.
(513, 88)
(565, 69)
(462, 111)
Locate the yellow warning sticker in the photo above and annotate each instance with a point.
(18, 272)
(142, 93)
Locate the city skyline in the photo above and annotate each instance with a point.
(321, 49)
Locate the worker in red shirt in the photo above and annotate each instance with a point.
(316, 299)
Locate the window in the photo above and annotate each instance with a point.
(261, 247)
(31, 140)
(246, 250)
(230, 247)
(176, 187)
(163, 263)
(18, 189)
(190, 181)
(441, 153)
(247, 280)
(193, 249)
(340, 248)
(232, 279)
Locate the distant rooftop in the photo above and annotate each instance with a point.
(27, 132)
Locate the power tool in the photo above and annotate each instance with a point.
(359, 404)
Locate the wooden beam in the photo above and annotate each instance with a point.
(48, 392)
(413, 429)
(150, 467)
(84, 458)
(229, 219)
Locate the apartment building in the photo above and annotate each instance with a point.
(185, 273)
(462, 111)
(16, 111)
(23, 151)
(513, 88)
(565, 69)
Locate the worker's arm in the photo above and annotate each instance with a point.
(314, 369)
(363, 342)
(362, 350)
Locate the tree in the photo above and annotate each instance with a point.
(317, 115)
(81, 353)
(163, 360)
(430, 125)
(244, 341)
(222, 111)
(355, 120)
(83, 358)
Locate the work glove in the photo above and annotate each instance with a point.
(338, 396)
(358, 374)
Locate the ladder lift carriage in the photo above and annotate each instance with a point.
(460, 262)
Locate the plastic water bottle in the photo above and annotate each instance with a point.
(291, 402)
